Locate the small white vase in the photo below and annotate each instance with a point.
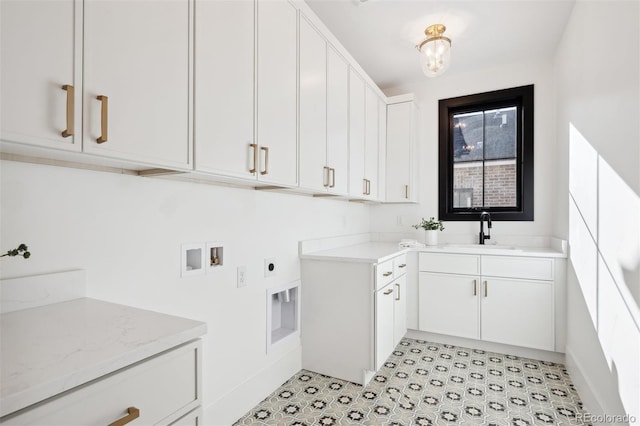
(431, 237)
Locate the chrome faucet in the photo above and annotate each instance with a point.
(485, 216)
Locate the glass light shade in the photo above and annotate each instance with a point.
(436, 56)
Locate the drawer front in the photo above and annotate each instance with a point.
(162, 388)
(467, 264)
(400, 265)
(384, 273)
(534, 268)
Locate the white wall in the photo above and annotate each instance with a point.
(598, 204)
(126, 232)
(428, 92)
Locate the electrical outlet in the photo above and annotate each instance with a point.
(270, 267)
(242, 276)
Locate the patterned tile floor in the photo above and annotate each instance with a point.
(426, 383)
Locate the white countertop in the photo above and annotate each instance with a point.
(498, 250)
(371, 252)
(53, 348)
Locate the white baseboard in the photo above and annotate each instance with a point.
(228, 409)
(488, 346)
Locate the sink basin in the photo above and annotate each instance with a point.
(487, 247)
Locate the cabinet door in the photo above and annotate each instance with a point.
(382, 149)
(277, 92)
(313, 109)
(371, 142)
(39, 44)
(338, 121)
(518, 312)
(224, 82)
(136, 53)
(399, 152)
(357, 186)
(448, 304)
(384, 324)
(399, 309)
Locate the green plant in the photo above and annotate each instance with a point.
(430, 225)
(20, 251)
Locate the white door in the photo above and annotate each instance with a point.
(39, 44)
(384, 324)
(314, 173)
(224, 87)
(357, 183)
(277, 92)
(448, 304)
(399, 309)
(518, 312)
(136, 59)
(371, 142)
(338, 121)
(399, 152)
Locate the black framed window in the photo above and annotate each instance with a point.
(486, 155)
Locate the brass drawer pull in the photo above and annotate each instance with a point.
(486, 292)
(134, 413)
(104, 119)
(406, 192)
(475, 287)
(388, 292)
(254, 146)
(404, 265)
(266, 160)
(398, 285)
(386, 274)
(326, 176)
(368, 187)
(364, 184)
(332, 171)
(71, 98)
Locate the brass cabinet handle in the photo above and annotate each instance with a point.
(386, 274)
(475, 287)
(398, 285)
(104, 119)
(326, 172)
(364, 184)
(71, 100)
(332, 171)
(486, 293)
(404, 265)
(388, 292)
(133, 413)
(368, 187)
(254, 146)
(406, 192)
(266, 160)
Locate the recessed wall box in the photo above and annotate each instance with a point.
(283, 314)
(214, 256)
(193, 259)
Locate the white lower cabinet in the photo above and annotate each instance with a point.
(506, 307)
(352, 315)
(162, 390)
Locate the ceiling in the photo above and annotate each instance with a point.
(381, 34)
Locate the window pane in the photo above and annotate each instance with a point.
(467, 184)
(500, 133)
(500, 183)
(467, 137)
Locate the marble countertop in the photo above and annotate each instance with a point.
(50, 349)
(370, 252)
(497, 250)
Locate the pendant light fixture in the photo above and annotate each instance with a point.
(436, 50)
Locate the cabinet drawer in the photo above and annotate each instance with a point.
(449, 263)
(534, 268)
(384, 273)
(162, 388)
(399, 265)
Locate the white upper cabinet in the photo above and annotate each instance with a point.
(314, 172)
(371, 143)
(357, 181)
(338, 122)
(401, 170)
(137, 81)
(224, 87)
(382, 149)
(277, 156)
(40, 79)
